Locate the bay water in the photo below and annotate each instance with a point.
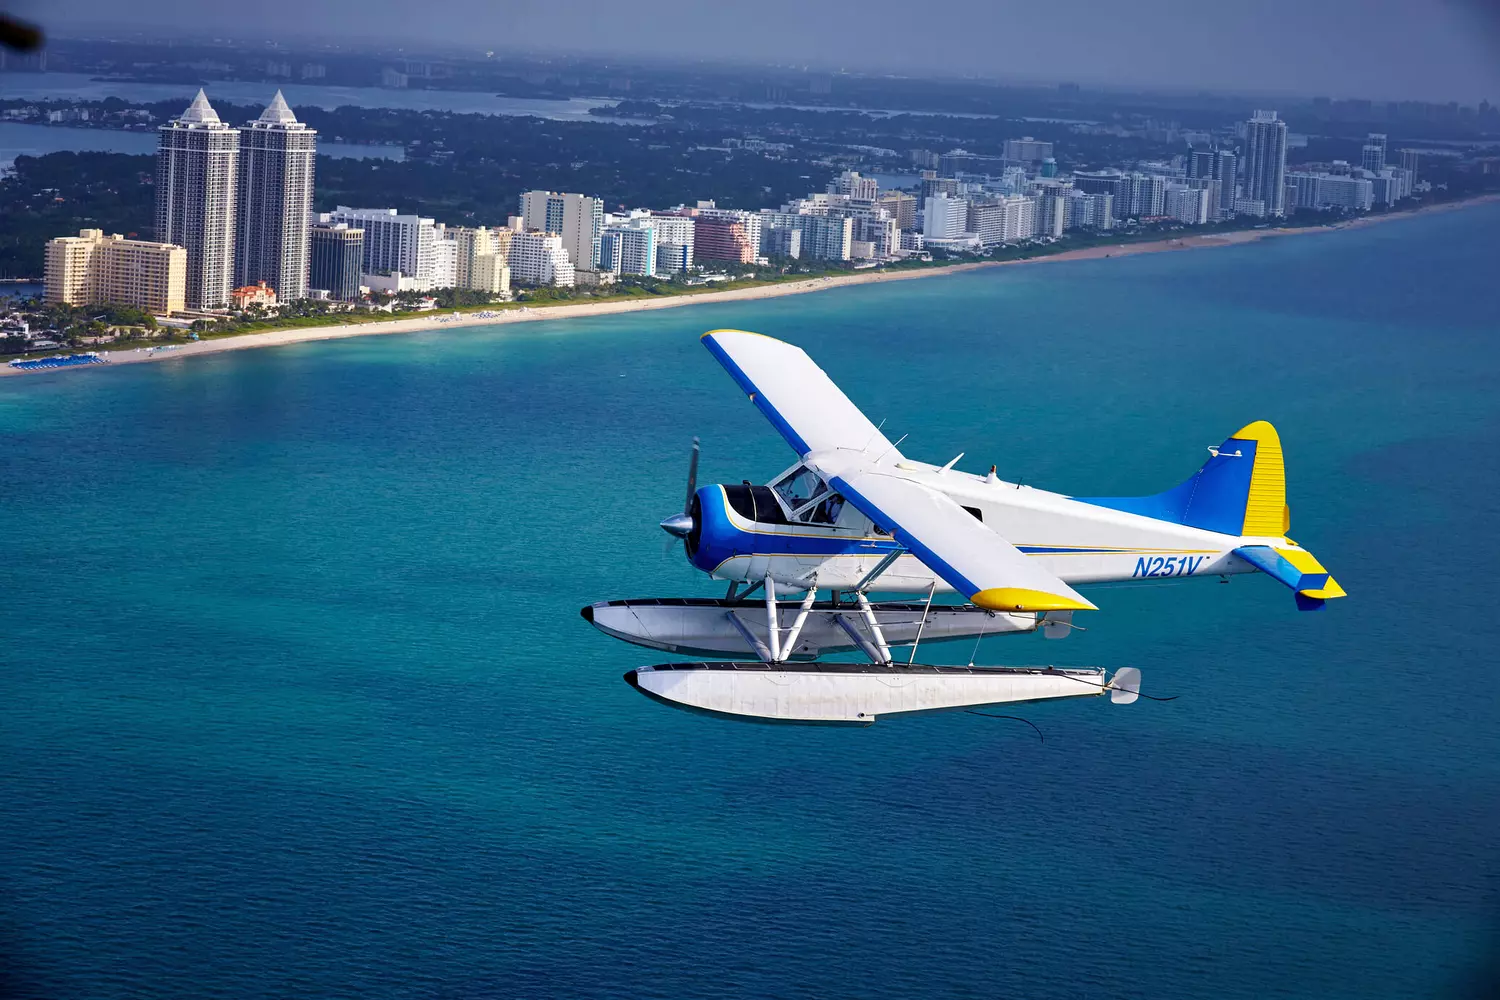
(295, 698)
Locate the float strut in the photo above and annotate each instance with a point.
(923, 624)
(864, 605)
(750, 637)
(859, 640)
(790, 645)
(773, 623)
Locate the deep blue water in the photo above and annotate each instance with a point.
(295, 699)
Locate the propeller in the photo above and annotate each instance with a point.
(681, 525)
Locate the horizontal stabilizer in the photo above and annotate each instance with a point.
(1296, 569)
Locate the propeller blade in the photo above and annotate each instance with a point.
(687, 504)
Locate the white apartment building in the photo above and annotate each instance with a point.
(1089, 211)
(539, 258)
(944, 218)
(1009, 219)
(578, 219)
(674, 242)
(1191, 205)
(629, 248)
(853, 186)
(1323, 190)
(444, 262)
(393, 242)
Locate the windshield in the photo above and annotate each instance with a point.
(807, 498)
(798, 486)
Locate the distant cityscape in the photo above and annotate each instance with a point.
(236, 231)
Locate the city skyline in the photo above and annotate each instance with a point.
(1388, 49)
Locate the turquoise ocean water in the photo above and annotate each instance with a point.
(295, 698)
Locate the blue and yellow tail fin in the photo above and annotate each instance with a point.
(1241, 491)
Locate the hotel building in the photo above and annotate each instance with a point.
(94, 269)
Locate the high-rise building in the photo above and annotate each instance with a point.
(675, 234)
(578, 219)
(1201, 163)
(275, 197)
(1326, 190)
(880, 231)
(824, 237)
(539, 258)
(781, 242)
(629, 248)
(931, 184)
(94, 269)
(1191, 205)
(393, 242)
(1372, 158)
(1409, 158)
(1377, 139)
(726, 234)
(900, 206)
(197, 163)
(1089, 210)
(480, 258)
(1027, 150)
(1007, 219)
(1265, 161)
(336, 257)
(1226, 171)
(852, 185)
(944, 218)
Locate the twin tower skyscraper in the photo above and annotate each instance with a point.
(237, 199)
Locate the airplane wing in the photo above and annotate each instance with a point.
(985, 568)
(814, 415)
(796, 395)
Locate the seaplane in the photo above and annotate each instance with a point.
(855, 516)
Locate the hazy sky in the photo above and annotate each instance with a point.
(1384, 49)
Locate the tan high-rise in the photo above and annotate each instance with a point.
(94, 269)
(481, 261)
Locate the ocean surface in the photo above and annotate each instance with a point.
(295, 699)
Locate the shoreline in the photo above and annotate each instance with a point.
(434, 321)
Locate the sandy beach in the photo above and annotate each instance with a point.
(441, 320)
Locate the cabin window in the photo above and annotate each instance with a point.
(978, 514)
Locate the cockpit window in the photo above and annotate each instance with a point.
(808, 499)
(799, 486)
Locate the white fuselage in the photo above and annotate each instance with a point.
(1079, 542)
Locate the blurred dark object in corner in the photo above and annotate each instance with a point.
(19, 35)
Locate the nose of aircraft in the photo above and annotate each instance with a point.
(678, 525)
